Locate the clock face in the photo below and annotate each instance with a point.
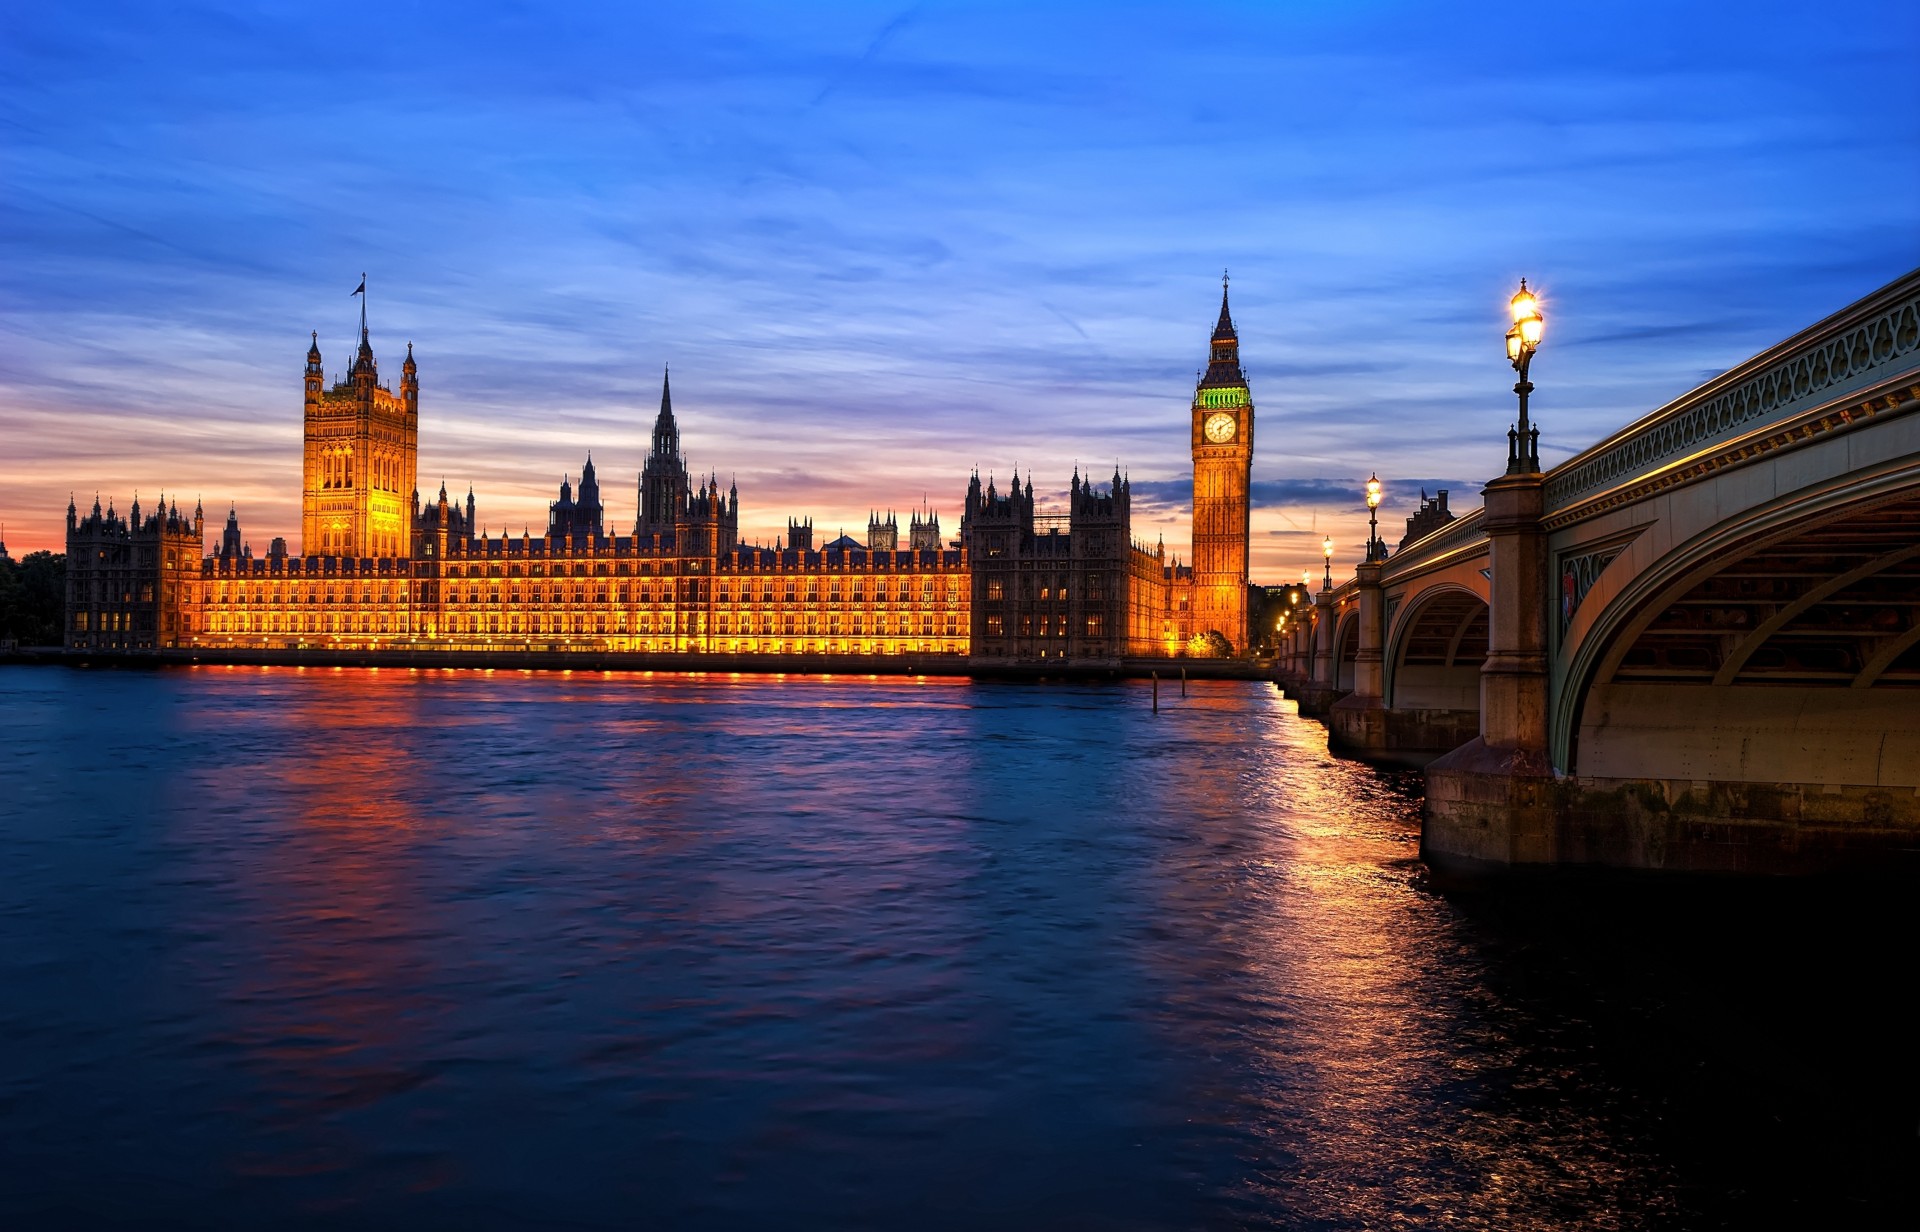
(1220, 427)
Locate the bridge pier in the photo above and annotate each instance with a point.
(1492, 801)
(1358, 723)
(1319, 689)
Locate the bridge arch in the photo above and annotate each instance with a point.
(1780, 646)
(1436, 649)
(1346, 649)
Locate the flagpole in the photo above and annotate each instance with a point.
(363, 305)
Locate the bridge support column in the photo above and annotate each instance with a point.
(1490, 802)
(1359, 720)
(1322, 667)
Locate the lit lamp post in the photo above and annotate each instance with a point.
(1376, 550)
(1523, 443)
(1326, 550)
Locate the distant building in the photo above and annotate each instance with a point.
(132, 583)
(378, 569)
(1432, 515)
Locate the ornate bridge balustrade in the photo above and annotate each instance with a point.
(1696, 644)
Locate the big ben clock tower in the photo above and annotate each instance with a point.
(1222, 473)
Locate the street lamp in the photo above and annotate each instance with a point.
(1376, 550)
(1523, 443)
(1326, 550)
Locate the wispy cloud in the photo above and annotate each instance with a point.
(881, 245)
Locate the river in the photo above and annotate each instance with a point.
(320, 948)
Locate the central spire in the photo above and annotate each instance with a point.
(1223, 351)
(1223, 329)
(666, 433)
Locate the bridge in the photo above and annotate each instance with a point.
(1693, 645)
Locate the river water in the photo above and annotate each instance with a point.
(472, 949)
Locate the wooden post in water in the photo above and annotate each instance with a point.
(1183, 680)
(1156, 692)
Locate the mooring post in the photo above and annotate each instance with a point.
(1183, 680)
(1156, 692)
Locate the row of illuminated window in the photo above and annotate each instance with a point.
(1094, 625)
(812, 624)
(1049, 587)
(221, 594)
(336, 467)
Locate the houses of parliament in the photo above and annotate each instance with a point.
(381, 569)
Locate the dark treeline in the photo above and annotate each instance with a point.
(33, 597)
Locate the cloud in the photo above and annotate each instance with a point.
(883, 245)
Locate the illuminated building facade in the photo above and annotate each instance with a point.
(380, 570)
(358, 470)
(1072, 586)
(1222, 488)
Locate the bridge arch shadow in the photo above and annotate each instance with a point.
(1436, 651)
(1776, 653)
(1346, 651)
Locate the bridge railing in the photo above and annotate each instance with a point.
(1464, 531)
(1854, 349)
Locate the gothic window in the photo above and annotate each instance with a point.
(1026, 625)
(996, 625)
(996, 590)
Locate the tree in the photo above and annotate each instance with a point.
(33, 599)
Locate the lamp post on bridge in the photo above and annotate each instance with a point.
(1490, 801)
(1523, 339)
(1376, 550)
(1326, 550)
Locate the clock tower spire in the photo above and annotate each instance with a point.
(1222, 477)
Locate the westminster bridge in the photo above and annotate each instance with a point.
(1693, 645)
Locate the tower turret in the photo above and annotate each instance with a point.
(314, 371)
(231, 545)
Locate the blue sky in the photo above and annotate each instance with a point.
(882, 244)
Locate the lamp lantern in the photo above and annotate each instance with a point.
(1376, 550)
(1326, 550)
(1523, 338)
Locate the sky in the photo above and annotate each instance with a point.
(883, 245)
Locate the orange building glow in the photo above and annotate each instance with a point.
(379, 572)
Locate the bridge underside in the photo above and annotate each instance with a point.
(1762, 714)
(1432, 699)
(1768, 714)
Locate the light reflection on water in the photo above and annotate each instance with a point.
(506, 949)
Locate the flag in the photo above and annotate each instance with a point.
(359, 290)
